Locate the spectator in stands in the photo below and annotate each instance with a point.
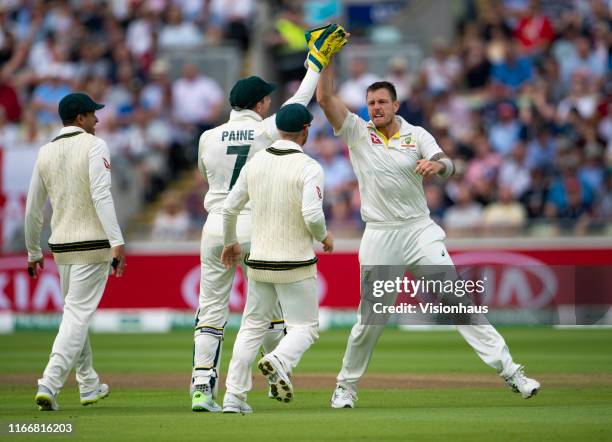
(342, 217)
(156, 95)
(339, 177)
(541, 150)
(140, 33)
(535, 198)
(172, 223)
(287, 44)
(569, 202)
(47, 95)
(465, 217)
(9, 100)
(233, 19)
(505, 216)
(506, 132)
(582, 58)
(178, 33)
(514, 70)
(441, 71)
(401, 78)
(435, 202)
(513, 173)
(592, 171)
(353, 91)
(583, 97)
(477, 68)
(196, 100)
(485, 165)
(534, 30)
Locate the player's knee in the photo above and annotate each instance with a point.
(310, 331)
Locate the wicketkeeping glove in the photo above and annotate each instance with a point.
(323, 43)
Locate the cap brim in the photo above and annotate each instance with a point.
(98, 106)
(271, 87)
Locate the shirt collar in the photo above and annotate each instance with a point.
(245, 113)
(69, 129)
(403, 127)
(287, 144)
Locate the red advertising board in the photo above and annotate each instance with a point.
(172, 281)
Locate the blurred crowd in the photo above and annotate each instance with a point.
(113, 50)
(520, 99)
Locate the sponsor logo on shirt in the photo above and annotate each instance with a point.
(319, 193)
(374, 138)
(106, 163)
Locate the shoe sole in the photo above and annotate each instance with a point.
(281, 389)
(533, 393)
(94, 401)
(205, 409)
(344, 406)
(44, 402)
(228, 410)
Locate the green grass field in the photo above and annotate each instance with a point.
(420, 386)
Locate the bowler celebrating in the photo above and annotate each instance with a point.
(390, 157)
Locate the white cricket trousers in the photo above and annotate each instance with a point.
(413, 244)
(213, 311)
(300, 306)
(82, 288)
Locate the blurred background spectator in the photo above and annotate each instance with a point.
(517, 93)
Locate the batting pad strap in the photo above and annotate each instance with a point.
(203, 367)
(210, 330)
(277, 324)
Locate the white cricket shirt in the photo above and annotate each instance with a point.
(390, 189)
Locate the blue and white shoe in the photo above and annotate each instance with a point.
(46, 400)
(96, 395)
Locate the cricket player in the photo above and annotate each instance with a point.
(223, 152)
(285, 189)
(390, 157)
(73, 170)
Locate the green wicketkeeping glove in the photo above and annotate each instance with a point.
(323, 43)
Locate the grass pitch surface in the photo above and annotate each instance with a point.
(420, 386)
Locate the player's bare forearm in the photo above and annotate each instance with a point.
(438, 164)
(334, 109)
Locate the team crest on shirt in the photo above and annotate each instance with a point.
(408, 141)
(374, 138)
(319, 193)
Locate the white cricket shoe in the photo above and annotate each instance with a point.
(280, 383)
(519, 383)
(343, 398)
(46, 400)
(233, 404)
(96, 395)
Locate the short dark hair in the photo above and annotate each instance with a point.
(383, 85)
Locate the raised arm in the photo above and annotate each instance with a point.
(335, 110)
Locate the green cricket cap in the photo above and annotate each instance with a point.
(248, 91)
(75, 104)
(293, 117)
